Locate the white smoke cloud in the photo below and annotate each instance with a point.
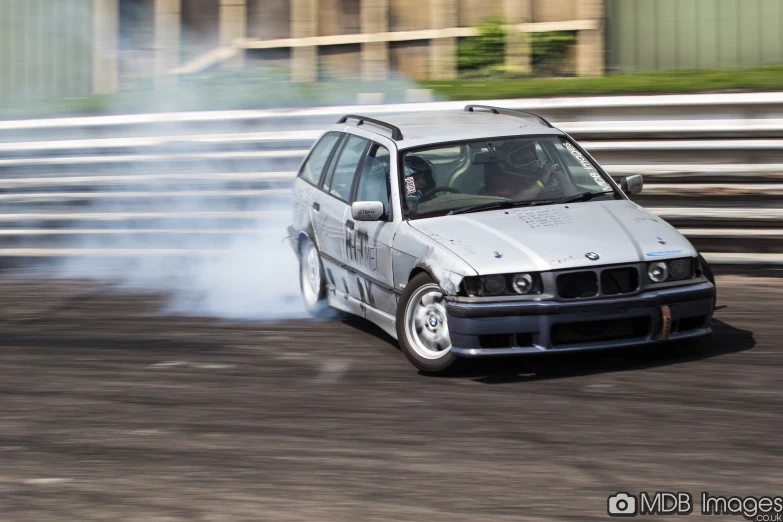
(230, 268)
(253, 277)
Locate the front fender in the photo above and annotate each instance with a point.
(413, 251)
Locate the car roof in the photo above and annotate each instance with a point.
(427, 128)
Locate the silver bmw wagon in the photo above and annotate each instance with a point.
(487, 232)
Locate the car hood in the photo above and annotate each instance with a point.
(556, 237)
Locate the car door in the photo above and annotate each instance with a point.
(368, 243)
(335, 210)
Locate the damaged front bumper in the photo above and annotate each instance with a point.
(479, 329)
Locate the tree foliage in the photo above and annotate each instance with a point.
(485, 50)
(484, 54)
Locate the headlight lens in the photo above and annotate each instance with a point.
(522, 283)
(494, 284)
(502, 284)
(658, 272)
(672, 270)
(680, 269)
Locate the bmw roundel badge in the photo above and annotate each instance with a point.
(592, 256)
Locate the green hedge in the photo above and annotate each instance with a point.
(251, 90)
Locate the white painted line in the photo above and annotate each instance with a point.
(200, 366)
(331, 371)
(45, 481)
(212, 366)
(145, 432)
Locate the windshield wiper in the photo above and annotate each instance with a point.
(582, 196)
(495, 205)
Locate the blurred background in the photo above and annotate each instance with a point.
(77, 48)
(158, 364)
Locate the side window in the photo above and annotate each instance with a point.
(374, 180)
(341, 179)
(311, 170)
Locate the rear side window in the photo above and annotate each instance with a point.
(341, 181)
(311, 170)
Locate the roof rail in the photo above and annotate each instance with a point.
(508, 112)
(396, 132)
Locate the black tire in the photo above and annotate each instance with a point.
(423, 285)
(313, 295)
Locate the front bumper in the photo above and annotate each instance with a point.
(523, 327)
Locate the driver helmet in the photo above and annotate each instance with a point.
(418, 177)
(520, 159)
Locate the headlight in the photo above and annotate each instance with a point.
(522, 283)
(494, 284)
(680, 269)
(658, 272)
(502, 284)
(673, 270)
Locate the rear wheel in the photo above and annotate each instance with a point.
(422, 326)
(311, 280)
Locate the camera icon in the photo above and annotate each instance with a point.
(621, 505)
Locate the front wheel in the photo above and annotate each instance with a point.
(422, 326)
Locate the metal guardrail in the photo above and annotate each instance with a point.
(703, 106)
(74, 186)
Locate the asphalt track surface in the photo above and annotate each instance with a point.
(111, 411)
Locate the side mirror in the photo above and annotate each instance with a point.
(367, 210)
(632, 184)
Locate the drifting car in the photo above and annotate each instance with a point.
(487, 232)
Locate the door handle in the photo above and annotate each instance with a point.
(316, 205)
(349, 224)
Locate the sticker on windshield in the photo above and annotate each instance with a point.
(588, 167)
(410, 186)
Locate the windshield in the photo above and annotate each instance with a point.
(496, 173)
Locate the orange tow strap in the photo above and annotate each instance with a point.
(666, 322)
